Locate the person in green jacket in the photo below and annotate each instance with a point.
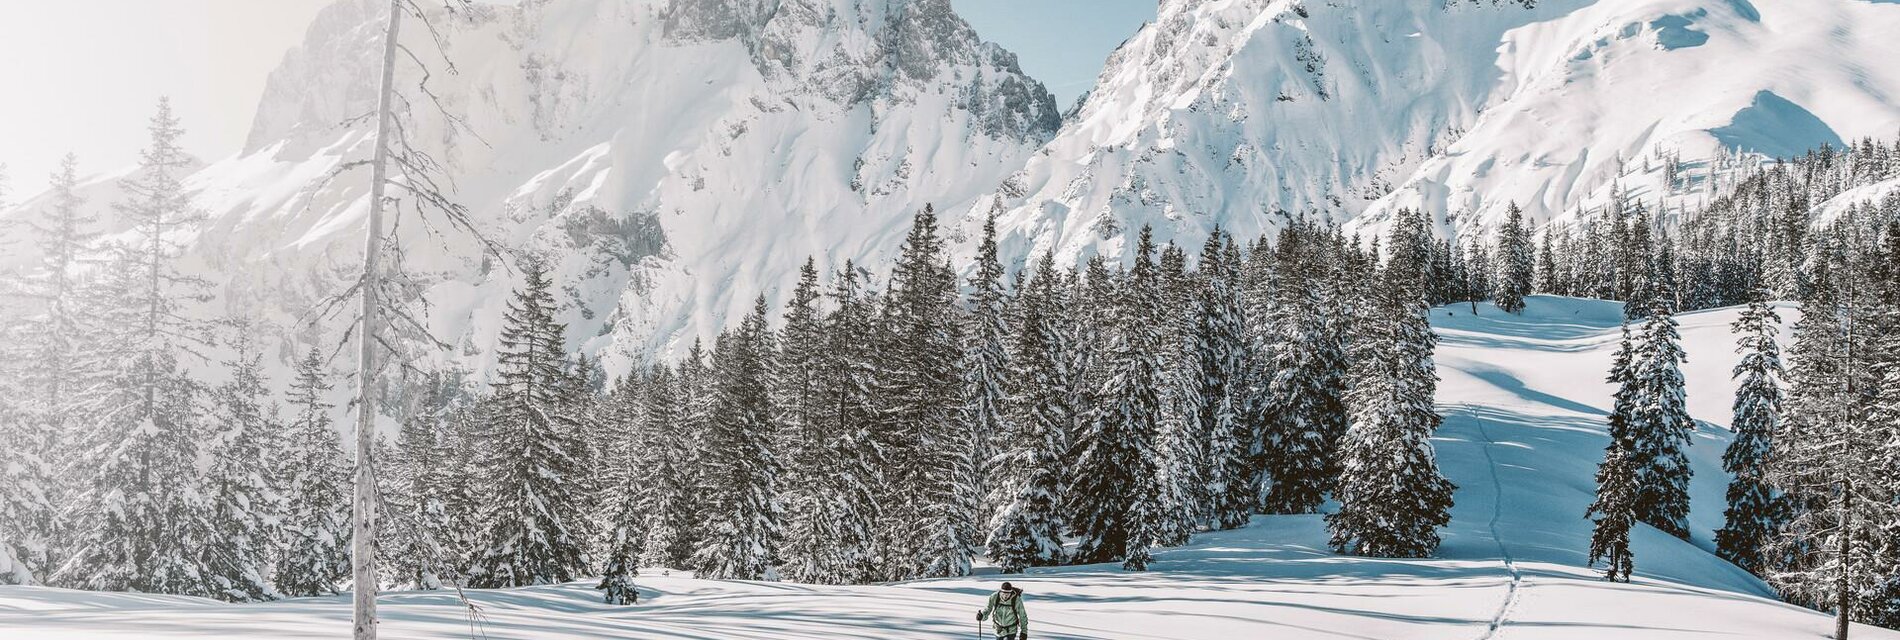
(1005, 613)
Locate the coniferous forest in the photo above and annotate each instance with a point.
(901, 421)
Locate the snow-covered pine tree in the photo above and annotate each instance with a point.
(1660, 427)
(316, 548)
(623, 500)
(52, 341)
(681, 443)
(243, 500)
(1026, 530)
(1614, 512)
(1514, 262)
(1118, 489)
(848, 385)
(1305, 410)
(742, 514)
(667, 456)
(25, 507)
(1181, 445)
(985, 363)
(1754, 511)
(1549, 278)
(1392, 499)
(928, 506)
(530, 525)
(1092, 292)
(1829, 458)
(1221, 357)
(137, 520)
(826, 538)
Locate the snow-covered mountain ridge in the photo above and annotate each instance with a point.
(1237, 112)
(677, 158)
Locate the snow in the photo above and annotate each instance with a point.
(1523, 399)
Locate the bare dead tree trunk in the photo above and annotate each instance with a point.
(363, 526)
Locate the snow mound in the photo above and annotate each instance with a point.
(1524, 406)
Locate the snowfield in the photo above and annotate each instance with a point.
(1523, 400)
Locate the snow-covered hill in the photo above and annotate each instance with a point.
(1523, 432)
(1233, 111)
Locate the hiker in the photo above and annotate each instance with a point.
(1005, 613)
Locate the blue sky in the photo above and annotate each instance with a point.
(1060, 42)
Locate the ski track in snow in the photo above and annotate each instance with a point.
(1497, 513)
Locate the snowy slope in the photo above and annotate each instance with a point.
(1233, 112)
(1523, 432)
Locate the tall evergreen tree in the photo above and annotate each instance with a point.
(929, 506)
(316, 527)
(669, 458)
(1514, 262)
(1392, 499)
(1026, 530)
(1119, 485)
(625, 499)
(531, 525)
(821, 389)
(742, 513)
(1753, 513)
(1220, 358)
(244, 500)
(985, 361)
(137, 520)
(1660, 426)
(1305, 413)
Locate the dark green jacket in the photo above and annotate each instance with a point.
(1009, 618)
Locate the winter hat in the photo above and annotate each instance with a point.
(1006, 587)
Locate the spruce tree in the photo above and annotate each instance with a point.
(985, 362)
(668, 458)
(742, 513)
(1221, 360)
(1026, 530)
(25, 507)
(1753, 513)
(138, 517)
(316, 527)
(820, 389)
(1514, 262)
(624, 500)
(244, 500)
(1392, 499)
(531, 527)
(928, 506)
(1118, 489)
(1614, 512)
(1660, 426)
(1305, 412)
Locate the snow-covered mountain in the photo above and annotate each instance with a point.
(1233, 112)
(676, 158)
(673, 158)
